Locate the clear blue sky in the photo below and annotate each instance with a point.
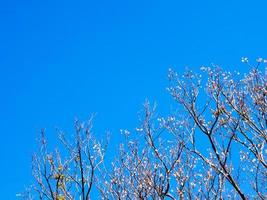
(65, 59)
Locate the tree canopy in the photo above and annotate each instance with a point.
(211, 146)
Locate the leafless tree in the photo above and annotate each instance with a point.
(229, 114)
(71, 174)
(212, 146)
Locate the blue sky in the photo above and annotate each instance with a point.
(65, 59)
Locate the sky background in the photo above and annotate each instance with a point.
(61, 60)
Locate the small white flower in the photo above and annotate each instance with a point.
(139, 129)
(259, 60)
(202, 68)
(244, 60)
